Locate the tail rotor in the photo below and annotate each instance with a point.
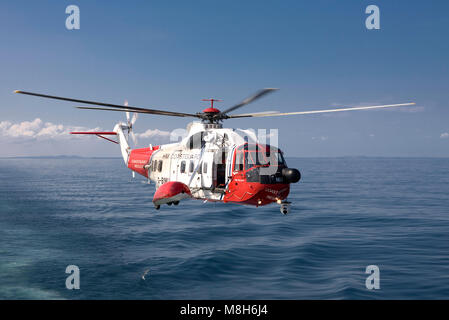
(130, 121)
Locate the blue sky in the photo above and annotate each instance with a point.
(171, 54)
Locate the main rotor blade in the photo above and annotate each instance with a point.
(254, 114)
(271, 114)
(150, 111)
(120, 110)
(250, 99)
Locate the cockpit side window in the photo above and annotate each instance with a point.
(249, 156)
(238, 166)
(281, 159)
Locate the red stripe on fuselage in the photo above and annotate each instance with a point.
(254, 193)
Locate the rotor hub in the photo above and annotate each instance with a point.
(211, 110)
(209, 114)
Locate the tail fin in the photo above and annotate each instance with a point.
(123, 142)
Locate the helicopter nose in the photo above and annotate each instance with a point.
(291, 175)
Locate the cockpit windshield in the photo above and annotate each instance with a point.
(254, 155)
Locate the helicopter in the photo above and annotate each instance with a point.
(211, 163)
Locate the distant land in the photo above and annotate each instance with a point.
(303, 157)
(57, 157)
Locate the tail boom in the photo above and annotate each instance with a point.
(139, 158)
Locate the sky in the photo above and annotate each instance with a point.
(171, 54)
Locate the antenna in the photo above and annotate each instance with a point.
(211, 101)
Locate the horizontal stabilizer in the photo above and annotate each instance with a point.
(105, 133)
(99, 134)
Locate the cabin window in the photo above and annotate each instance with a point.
(204, 167)
(159, 167)
(183, 166)
(191, 166)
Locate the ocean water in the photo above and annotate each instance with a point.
(347, 213)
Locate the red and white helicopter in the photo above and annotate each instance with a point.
(211, 163)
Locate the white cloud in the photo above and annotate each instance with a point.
(24, 129)
(153, 134)
(444, 135)
(37, 129)
(322, 138)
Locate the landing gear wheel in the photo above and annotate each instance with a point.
(175, 203)
(285, 207)
(157, 207)
(169, 203)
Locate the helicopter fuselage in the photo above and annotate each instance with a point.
(216, 164)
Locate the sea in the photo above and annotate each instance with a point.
(347, 214)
